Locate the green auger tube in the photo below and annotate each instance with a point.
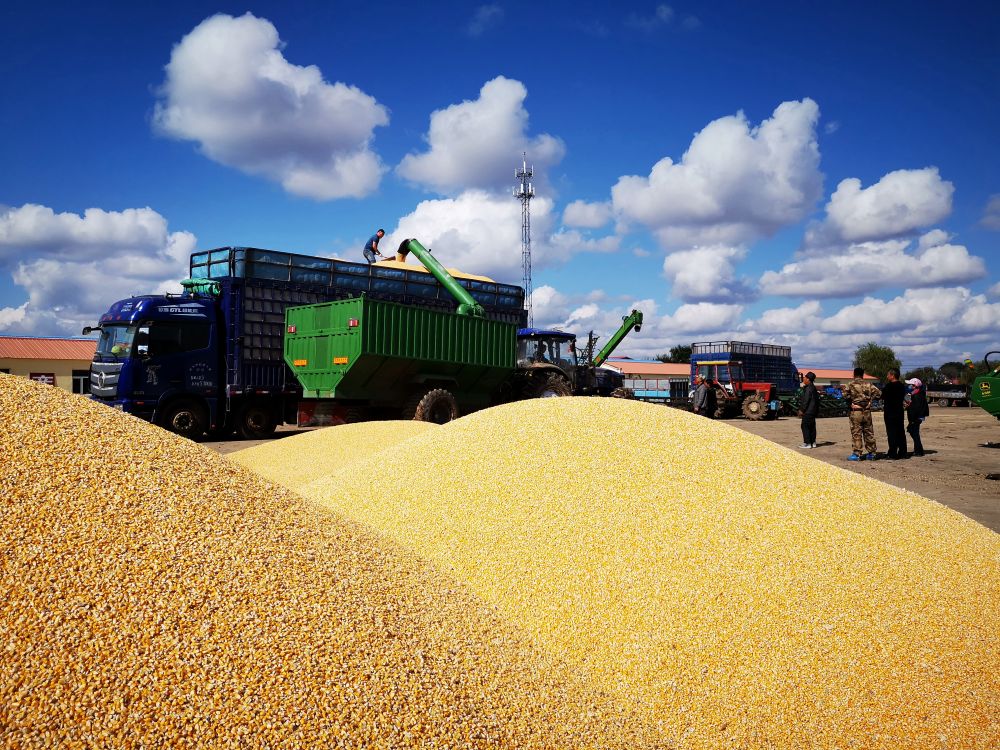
(466, 304)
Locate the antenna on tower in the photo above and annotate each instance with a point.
(524, 191)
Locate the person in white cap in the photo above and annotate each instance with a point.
(916, 413)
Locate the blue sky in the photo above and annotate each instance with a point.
(815, 176)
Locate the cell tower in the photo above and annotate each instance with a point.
(524, 191)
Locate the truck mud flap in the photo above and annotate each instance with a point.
(320, 414)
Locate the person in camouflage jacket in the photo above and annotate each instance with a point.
(861, 395)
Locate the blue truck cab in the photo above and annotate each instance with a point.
(158, 358)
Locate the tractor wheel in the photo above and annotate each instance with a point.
(754, 407)
(438, 406)
(255, 421)
(551, 386)
(720, 404)
(184, 418)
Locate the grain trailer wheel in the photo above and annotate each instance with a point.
(438, 406)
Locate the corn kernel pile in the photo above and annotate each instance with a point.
(316, 454)
(735, 593)
(154, 594)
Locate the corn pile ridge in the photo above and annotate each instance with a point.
(734, 592)
(154, 594)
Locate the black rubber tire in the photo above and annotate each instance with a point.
(551, 386)
(622, 393)
(944, 401)
(754, 407)
(437, 405)
(255, 421)
(184, 418)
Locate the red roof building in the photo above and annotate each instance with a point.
(64, 363)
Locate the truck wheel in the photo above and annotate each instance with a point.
(184, 418)
(944, 401)
(552, 386)
(255, 421)
(438, 406)
(622, 393)
(754, 407)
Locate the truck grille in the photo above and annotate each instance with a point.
(104, 379)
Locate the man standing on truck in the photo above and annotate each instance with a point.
(371, 247)
(861, 394)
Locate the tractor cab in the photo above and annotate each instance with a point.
(546, 362)
(539, 347)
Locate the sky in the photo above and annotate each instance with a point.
(819, 175)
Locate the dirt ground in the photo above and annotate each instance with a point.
(962, 449)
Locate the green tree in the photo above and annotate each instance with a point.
(680, 354)
(876, 360)
(926, 374)
(963, 372)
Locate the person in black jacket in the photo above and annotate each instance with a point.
(893, 403)
(808, 410)
(916, 413)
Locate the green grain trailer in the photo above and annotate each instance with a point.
(361, 358)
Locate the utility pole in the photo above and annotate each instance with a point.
(524, 191)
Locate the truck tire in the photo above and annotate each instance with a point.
(185, 418)
(255, 421)
(622, 393)
(437, 405)
(944, 401)
(754, 407)
(551, 386)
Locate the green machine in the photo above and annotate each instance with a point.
(985, 391)
(369, 357)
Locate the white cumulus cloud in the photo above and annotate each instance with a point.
(734, 184)
(73, 266)
(587, 215)
(864, 268)
(920, 314)
(991, 214)
(477, 144)
(897, 205)
(230, 89)
(707, 274)
(480, 232)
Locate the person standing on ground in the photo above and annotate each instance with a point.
(700, 399)
(916, 413)
(809, 410)
(893, 405)
(371, 247)
(861, 394)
